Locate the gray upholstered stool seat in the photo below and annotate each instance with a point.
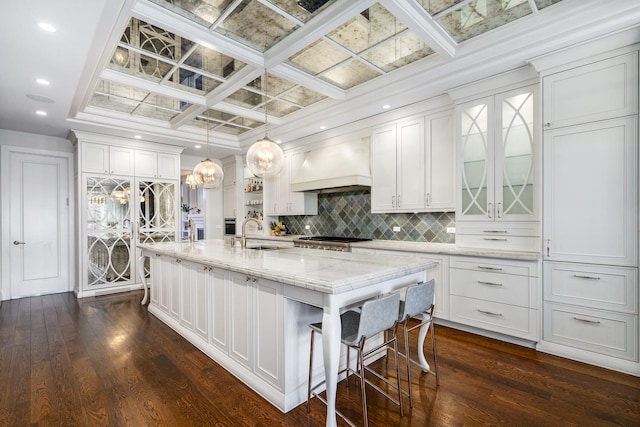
(418, 301)
(377, 315)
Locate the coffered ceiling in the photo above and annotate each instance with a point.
(167, 70)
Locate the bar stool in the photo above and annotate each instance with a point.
(377, 315)
(419, 300)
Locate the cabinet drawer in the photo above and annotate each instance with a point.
(607, 288)
(604, 332)
(484, 285)
(498, 241)
(499, 229)
(504, 318)
(521, 268)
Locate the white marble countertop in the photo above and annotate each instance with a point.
(423, 247)
(323, 271)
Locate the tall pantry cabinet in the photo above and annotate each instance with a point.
(590, 214)
(128, 192)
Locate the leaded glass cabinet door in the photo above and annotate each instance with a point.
(108, 231)
(516, 153)
(475, 192)
(157, 212)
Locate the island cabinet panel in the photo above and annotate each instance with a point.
(155, 270)
(189, 273)
(268, 330)
(218, 287)
(240, 316)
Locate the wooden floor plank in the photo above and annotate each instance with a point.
(106, 361)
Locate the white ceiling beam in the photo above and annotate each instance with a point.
(420, 22)
(154, 87)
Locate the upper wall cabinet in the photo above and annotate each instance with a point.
(440, 163)
(498, 153)
(152, 164)
(601, 90)
(413, 165)
(397, 151)
(99, 158)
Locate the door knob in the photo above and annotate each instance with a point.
(15, 242)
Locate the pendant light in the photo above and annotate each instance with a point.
(191, 181)
(265, 158)
(208, 173)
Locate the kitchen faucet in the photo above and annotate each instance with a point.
(243, 239)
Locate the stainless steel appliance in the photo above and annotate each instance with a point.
(230, 226)
(329, 243)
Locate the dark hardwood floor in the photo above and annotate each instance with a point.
(107, 361)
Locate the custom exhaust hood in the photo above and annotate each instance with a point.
(340, 167)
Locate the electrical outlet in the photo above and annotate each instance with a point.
(451, 230)
(396, 229)
(307, 227)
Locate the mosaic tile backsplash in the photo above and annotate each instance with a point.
(349, 214)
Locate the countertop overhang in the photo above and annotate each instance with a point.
(324, 271)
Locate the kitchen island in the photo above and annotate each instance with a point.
(248, 309)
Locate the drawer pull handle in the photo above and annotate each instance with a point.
(580, 276)
(482, 267)
(496, 239)
(489, 313)
(495, 231)
(593, 322)
(158, 254)
(489, 283)
(178, 261)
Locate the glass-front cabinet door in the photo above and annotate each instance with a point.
(497, 140)
(515, 156)
(476, 151)
(157, 212)
(108, 223)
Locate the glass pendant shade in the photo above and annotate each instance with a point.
(209, 173)
(265, 158)
(192, 181)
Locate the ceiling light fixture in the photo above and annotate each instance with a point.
(43, 82)
(265, 158)
(47, 27)
(137, 136)
(41, 113)
(208, 173)
(191, 181)
(386, 106)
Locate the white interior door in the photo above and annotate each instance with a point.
(39, 233)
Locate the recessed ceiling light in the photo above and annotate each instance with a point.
(278, 141)
(43, 82)
(41, 113)
(197, 146)
(386, 106)
(137, 137)
(47, 27)
(323, 127)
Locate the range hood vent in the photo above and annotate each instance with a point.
(340, 167)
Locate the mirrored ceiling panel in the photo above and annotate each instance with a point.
(436, 6)
(203, 12)
(350, 74)
(480, 16)
(397, 52)
(256, 25)
(318, 57)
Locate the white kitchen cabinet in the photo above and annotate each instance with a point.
(590, 193)
(278, 197)
(268, 329)
(498, 177)
(218, 309)
(601, 90)
(107, 159)
(440, 163)
(497, 295)
(256, 325)
(188, 278)
(229, 191)
(152, 164)
(397, 151)
(241, 318)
